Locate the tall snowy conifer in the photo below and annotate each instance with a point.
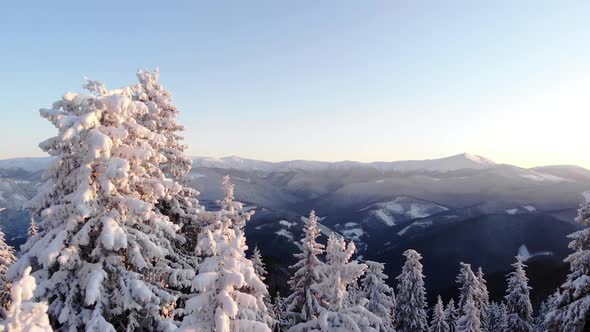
(469, 321)
(340, 272)
(183, 207)
(571, 311)
(411, 295)
(6, 260)
(380, 297)
(438, 323)
(259, 266)
(451, 315)
(518, 302)
(229, 295)
(483, 300)
(304, 301)
(496, 317)
(469, 287)
(103, 258)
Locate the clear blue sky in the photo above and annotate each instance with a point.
(324, 80)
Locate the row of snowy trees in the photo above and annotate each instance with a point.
(123, 244)
(342, 294)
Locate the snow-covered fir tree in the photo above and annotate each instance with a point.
(32, 231)
(229, 295)
(452, 315)
(182, 207)
(545, 308)
(496, 317)
(259, 266)
(281, 321)
(335, 315)
(469, 320)
(518, 304)
(7, 258)
(438, 322)
(24, 314)
(469, 287)
(304, 302)
(411, 295)
(105, 257)
(483, 300)
(380, 297)
(571, 311)
(354, 294)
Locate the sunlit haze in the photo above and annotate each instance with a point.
(330, 80)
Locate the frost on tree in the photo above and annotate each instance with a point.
(380, 298)
(438, 323)
(451, 315)
(304, 302)
(496, 317)
(281, 321)
(259, 266)
(335, 314)
(546, 307)
(182, 207)
(105, 257)
(32, 231)
(483, 300)
(6, 260)
(469, 286)
(469, 320)
(571, 310)
(411, 295)
(519, 310)
(24, 314)
(229, 295)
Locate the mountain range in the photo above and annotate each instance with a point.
(460, 208)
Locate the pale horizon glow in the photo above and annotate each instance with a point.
(330, 81)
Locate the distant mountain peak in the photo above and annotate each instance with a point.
(475, 158)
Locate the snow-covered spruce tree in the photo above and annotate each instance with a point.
(304, 302)
(545, 308)
(495, 317)
(279, 308)
(483, 300)
(518, 302)
(24, 314)
(438, 322)
(229, 295)
(380, 297)
(354, 294)
(259, 266)
(339, 273)
(183, 208)
(451, 315)
(104, 259)
(469, 321)
(571, 311)
(411, 295)
(469, 286)
(6, 260)
(32, 231)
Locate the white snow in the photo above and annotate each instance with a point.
(541, 177)
(512, 211)
(422, 224)
(354, 233)
(287, 223)
(529, 208)
(285, 233)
